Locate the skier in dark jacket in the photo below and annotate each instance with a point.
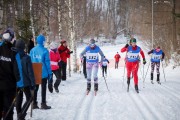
(157, 56)
(27, 81)
(9, 74)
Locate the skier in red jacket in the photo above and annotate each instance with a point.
(64, 54)
(132, 61)
(117, 57)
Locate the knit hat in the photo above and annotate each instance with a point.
(133, 40)
(8, 34)
(53, 45)
(92, 41)
(63, 41)
(40, 39)
(20, 44)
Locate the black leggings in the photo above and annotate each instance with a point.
(104, 69)
(43, 91)
(57, 73)
(19, 101)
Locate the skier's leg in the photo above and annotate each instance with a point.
(129, 71)
(105, 70)
(63, 69)
(135, 74)
(1, 104)
(35, 106)
(152, 70)
(95, 75)
(157, 70)
(89, 67)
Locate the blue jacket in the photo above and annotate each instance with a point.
(26, 71)
(39, 54)
(133, 55)
(92, 54)
(156, 56)
(105, 62)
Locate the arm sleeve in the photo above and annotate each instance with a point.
(108, 61)
(16, 71)
(150, 52)
(102, 54)
(68, 53)
(30, 71)
(142, 54)
(82, 53)
(123, 49)
(47, 62)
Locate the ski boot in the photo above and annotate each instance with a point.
(35, 105)
(136, 88)
(95, 88)
(128, 83)
(56, 89)
(158, 80)
(88, 88)
(152, 78)
(44, 106)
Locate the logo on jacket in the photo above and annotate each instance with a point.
(5, 59)
(37, 56)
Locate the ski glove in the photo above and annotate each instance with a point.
(144, 61)
(50, 87)
(162, 60)
(70, 52)
(126, 45)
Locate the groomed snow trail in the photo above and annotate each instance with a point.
(154, 102)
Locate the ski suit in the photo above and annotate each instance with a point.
(117, 57)
(132, 61)
(92, 60)
(157, 55)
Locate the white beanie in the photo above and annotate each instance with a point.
(53, 45)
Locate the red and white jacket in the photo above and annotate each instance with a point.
(54, 59)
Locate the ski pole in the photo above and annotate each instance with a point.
(146, 72)
(163, 72)
(106, 84)
(12, 105)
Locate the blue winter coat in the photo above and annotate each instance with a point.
(39, 54)
(26, 71)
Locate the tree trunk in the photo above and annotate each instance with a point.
(32, 18)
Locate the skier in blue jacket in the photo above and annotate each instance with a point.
(157, 56)
(40, 54)
(92, 63)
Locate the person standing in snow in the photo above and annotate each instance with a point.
(26, 83)
(157, 56)
(92, 65)
(9, 74)
(117, 57)
(64, 54)
(55, 60)
(132, 61)
(105, 62)
(40, 54)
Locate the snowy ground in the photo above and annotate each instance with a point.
(154, 102)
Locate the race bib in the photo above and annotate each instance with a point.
(156, 57)
(91, 56)
(132, 55)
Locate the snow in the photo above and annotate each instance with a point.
(154, 102)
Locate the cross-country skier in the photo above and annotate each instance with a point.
(55, 60)
(132, 61)
(26, 83)
(105, 62)
(157, 56)
(117, 57)
(92, 65)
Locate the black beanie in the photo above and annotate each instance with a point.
(20, 44)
